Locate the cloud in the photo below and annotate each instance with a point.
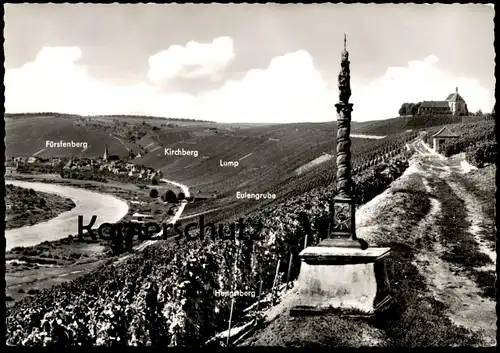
(290, 89)
(194, 60)
(418, 81)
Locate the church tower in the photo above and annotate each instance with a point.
(457, 103)
(105, 156)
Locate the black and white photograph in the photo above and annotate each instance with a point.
(250, 175)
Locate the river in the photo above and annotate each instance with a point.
(107, 208)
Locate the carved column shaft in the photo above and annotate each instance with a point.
(343, 180)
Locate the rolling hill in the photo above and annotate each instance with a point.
(268, 155)
(27, 137)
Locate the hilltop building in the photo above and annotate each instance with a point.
(454, 104)
(457, 104)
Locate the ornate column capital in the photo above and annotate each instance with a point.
(346, 107)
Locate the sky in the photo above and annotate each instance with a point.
(244, 63)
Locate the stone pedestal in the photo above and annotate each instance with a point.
(344, 280)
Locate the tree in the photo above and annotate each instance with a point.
(153, 193)
(181, 196)
(154, 181)
(404, 109)
(169, 197)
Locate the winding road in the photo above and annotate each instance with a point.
(173, 220)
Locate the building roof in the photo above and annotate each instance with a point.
(445, 132)
(455, 97)
(434, 104)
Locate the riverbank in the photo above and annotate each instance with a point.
(32, 268)
(25, 207)
(31, 261)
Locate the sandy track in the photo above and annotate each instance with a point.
(466, 306)
(465, 303)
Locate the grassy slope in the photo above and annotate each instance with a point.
(27, 136)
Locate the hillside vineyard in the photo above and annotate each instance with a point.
(211, 211)
(295, 212)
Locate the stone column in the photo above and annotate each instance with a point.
(342, 229)
(342, 274)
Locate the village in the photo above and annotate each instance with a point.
(107, 166)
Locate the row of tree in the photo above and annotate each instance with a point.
(169, 196)
(409, 108)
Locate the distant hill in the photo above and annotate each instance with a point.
(27, 136)
(143, 117)
(266, 154)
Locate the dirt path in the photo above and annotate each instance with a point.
(119, 140)
(449, 284)
(466, 306)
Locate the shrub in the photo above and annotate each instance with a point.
(169, 197)
(181, 196)
(153, 193)
(484, 153)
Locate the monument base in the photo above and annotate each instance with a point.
(345, 280)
